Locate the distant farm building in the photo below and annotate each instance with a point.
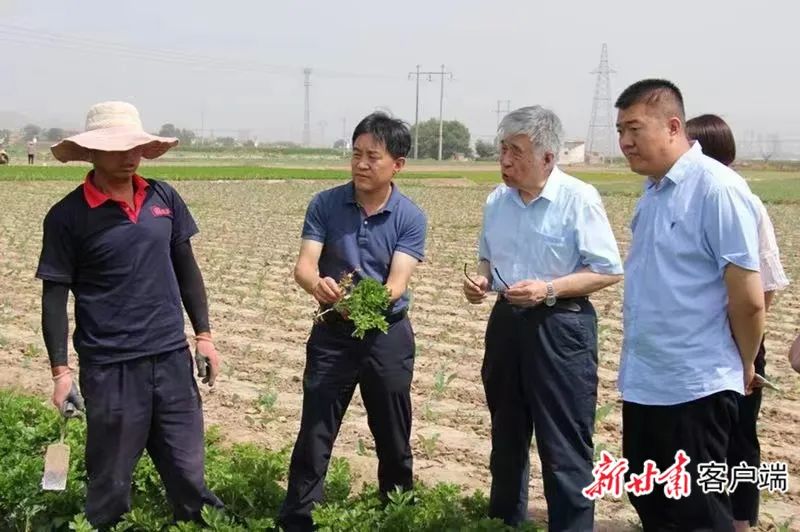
(572, 152)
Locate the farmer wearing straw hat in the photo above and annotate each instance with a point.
(121, 244)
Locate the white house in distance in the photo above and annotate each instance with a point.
(572, 152)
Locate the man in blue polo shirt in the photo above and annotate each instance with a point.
(121, 244)
(693, 307)
(368, 227)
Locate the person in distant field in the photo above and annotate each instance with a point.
(369, 227)
(547, 235)
(693, 308)
(716, 140)
(121, 244)
(31, 150)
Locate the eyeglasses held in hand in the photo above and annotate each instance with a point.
(496, 272)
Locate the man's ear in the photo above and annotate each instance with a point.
(399, 164)
(675, 127)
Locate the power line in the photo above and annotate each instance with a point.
(35, 37)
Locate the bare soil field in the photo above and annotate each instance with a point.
(246, 248)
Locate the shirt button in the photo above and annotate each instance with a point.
(365, 222)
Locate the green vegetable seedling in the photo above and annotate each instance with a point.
(364, 303)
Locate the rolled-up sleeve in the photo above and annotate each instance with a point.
(596, 243)
(773, 277)
(730, 226)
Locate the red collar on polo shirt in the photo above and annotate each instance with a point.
(95, 197)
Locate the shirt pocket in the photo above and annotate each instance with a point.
(553, 252)
(682, 230)
(550, 239)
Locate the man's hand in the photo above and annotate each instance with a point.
(326, 291)
(66, 397)
(749, 379)
(528, 293)
(207, 359)
(476, 291)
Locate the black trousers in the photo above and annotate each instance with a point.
(383, 366)
(540, 371)
(702, 429)
(744, 447)
(148, 403)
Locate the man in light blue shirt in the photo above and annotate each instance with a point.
(693, 307)
(546, 244)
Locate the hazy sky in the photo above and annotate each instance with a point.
(733, 57)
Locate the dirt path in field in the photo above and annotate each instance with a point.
(247, 247)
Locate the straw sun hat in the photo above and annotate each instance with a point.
(111, 126)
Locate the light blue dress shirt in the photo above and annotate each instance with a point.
(563, 230)
(687, 228)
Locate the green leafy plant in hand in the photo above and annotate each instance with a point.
(364, 303)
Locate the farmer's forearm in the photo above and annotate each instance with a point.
(55, 326)
(306, 275)
(192, 287)
(400, 272)
(583, 283)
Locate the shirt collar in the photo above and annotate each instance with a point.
(680, 170)
(95, 197)
(391, 203)
(552, 185)
(549, 191)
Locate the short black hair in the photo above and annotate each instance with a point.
(656, 93)
(392, 132)
(714, 136)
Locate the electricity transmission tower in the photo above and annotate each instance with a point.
(600, 138)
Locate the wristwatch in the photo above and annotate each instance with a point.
(550, 299)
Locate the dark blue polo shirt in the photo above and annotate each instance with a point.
(117, 261)
(354, 241)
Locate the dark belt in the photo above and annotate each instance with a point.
(334, 318)
(574, 304)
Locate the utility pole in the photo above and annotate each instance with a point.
(500, 110)
(416, 114)
(307, 114)
(322, 124)
(441, 113)
(430, 76)
(344, 137)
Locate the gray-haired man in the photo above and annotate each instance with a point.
(546, 244)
